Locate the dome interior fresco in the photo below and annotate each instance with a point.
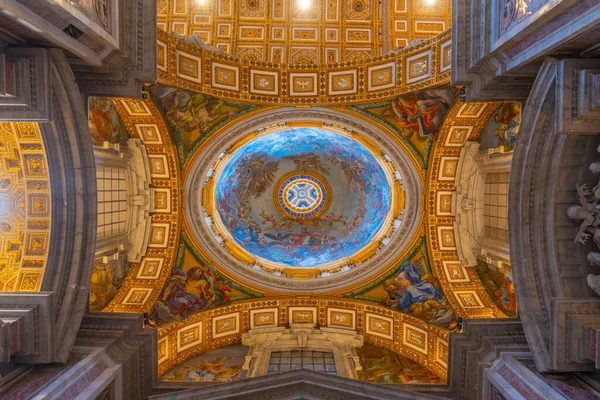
(322, 31)
(298, 198)
(303, 197)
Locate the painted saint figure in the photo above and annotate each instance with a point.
(408, 292)
(422, 112)
(104, 122)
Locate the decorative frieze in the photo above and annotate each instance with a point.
(204, 69)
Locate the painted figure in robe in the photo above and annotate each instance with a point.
(408, 292)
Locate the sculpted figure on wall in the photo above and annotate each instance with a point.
(587, 214)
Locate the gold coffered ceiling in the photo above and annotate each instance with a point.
(25, 204)
(323, 32)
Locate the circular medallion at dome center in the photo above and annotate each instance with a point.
(302, 194)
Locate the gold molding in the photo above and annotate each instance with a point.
(140, 290)
(26, 199)
(177, 345)
(188, 66)
(476, 117)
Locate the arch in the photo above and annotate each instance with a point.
(549, 270)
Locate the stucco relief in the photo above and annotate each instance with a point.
(587, 214)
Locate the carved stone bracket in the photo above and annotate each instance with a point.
(578, 100)
(24, 85)
(28, 330)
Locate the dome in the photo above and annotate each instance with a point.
(302, 197)
(293, 200)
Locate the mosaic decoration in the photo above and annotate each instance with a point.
(188, 65)
(105, 123)
(326, 32)
(422, 343)
(194, 116)
(283, 223)
(410, 287)
(198, 309)
(194, 285)
(302, 315)
(465, 292)
(25, 207)
(107, 278)
(381, 326)
(502, 128)
(219, 365)
(498, 281)
(226, 325)
(144, 280)
(381, 365)
(414, 117)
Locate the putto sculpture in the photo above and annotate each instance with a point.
(587, 214)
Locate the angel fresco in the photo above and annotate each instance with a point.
(186, 292)
(423, 112)
(192, 115)
(502, 127)
(104, 122)
(498, 282)
(258, 175)
(106, 280)
(384, 366)
(309, 162)
(221, 365)
(409, 292)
